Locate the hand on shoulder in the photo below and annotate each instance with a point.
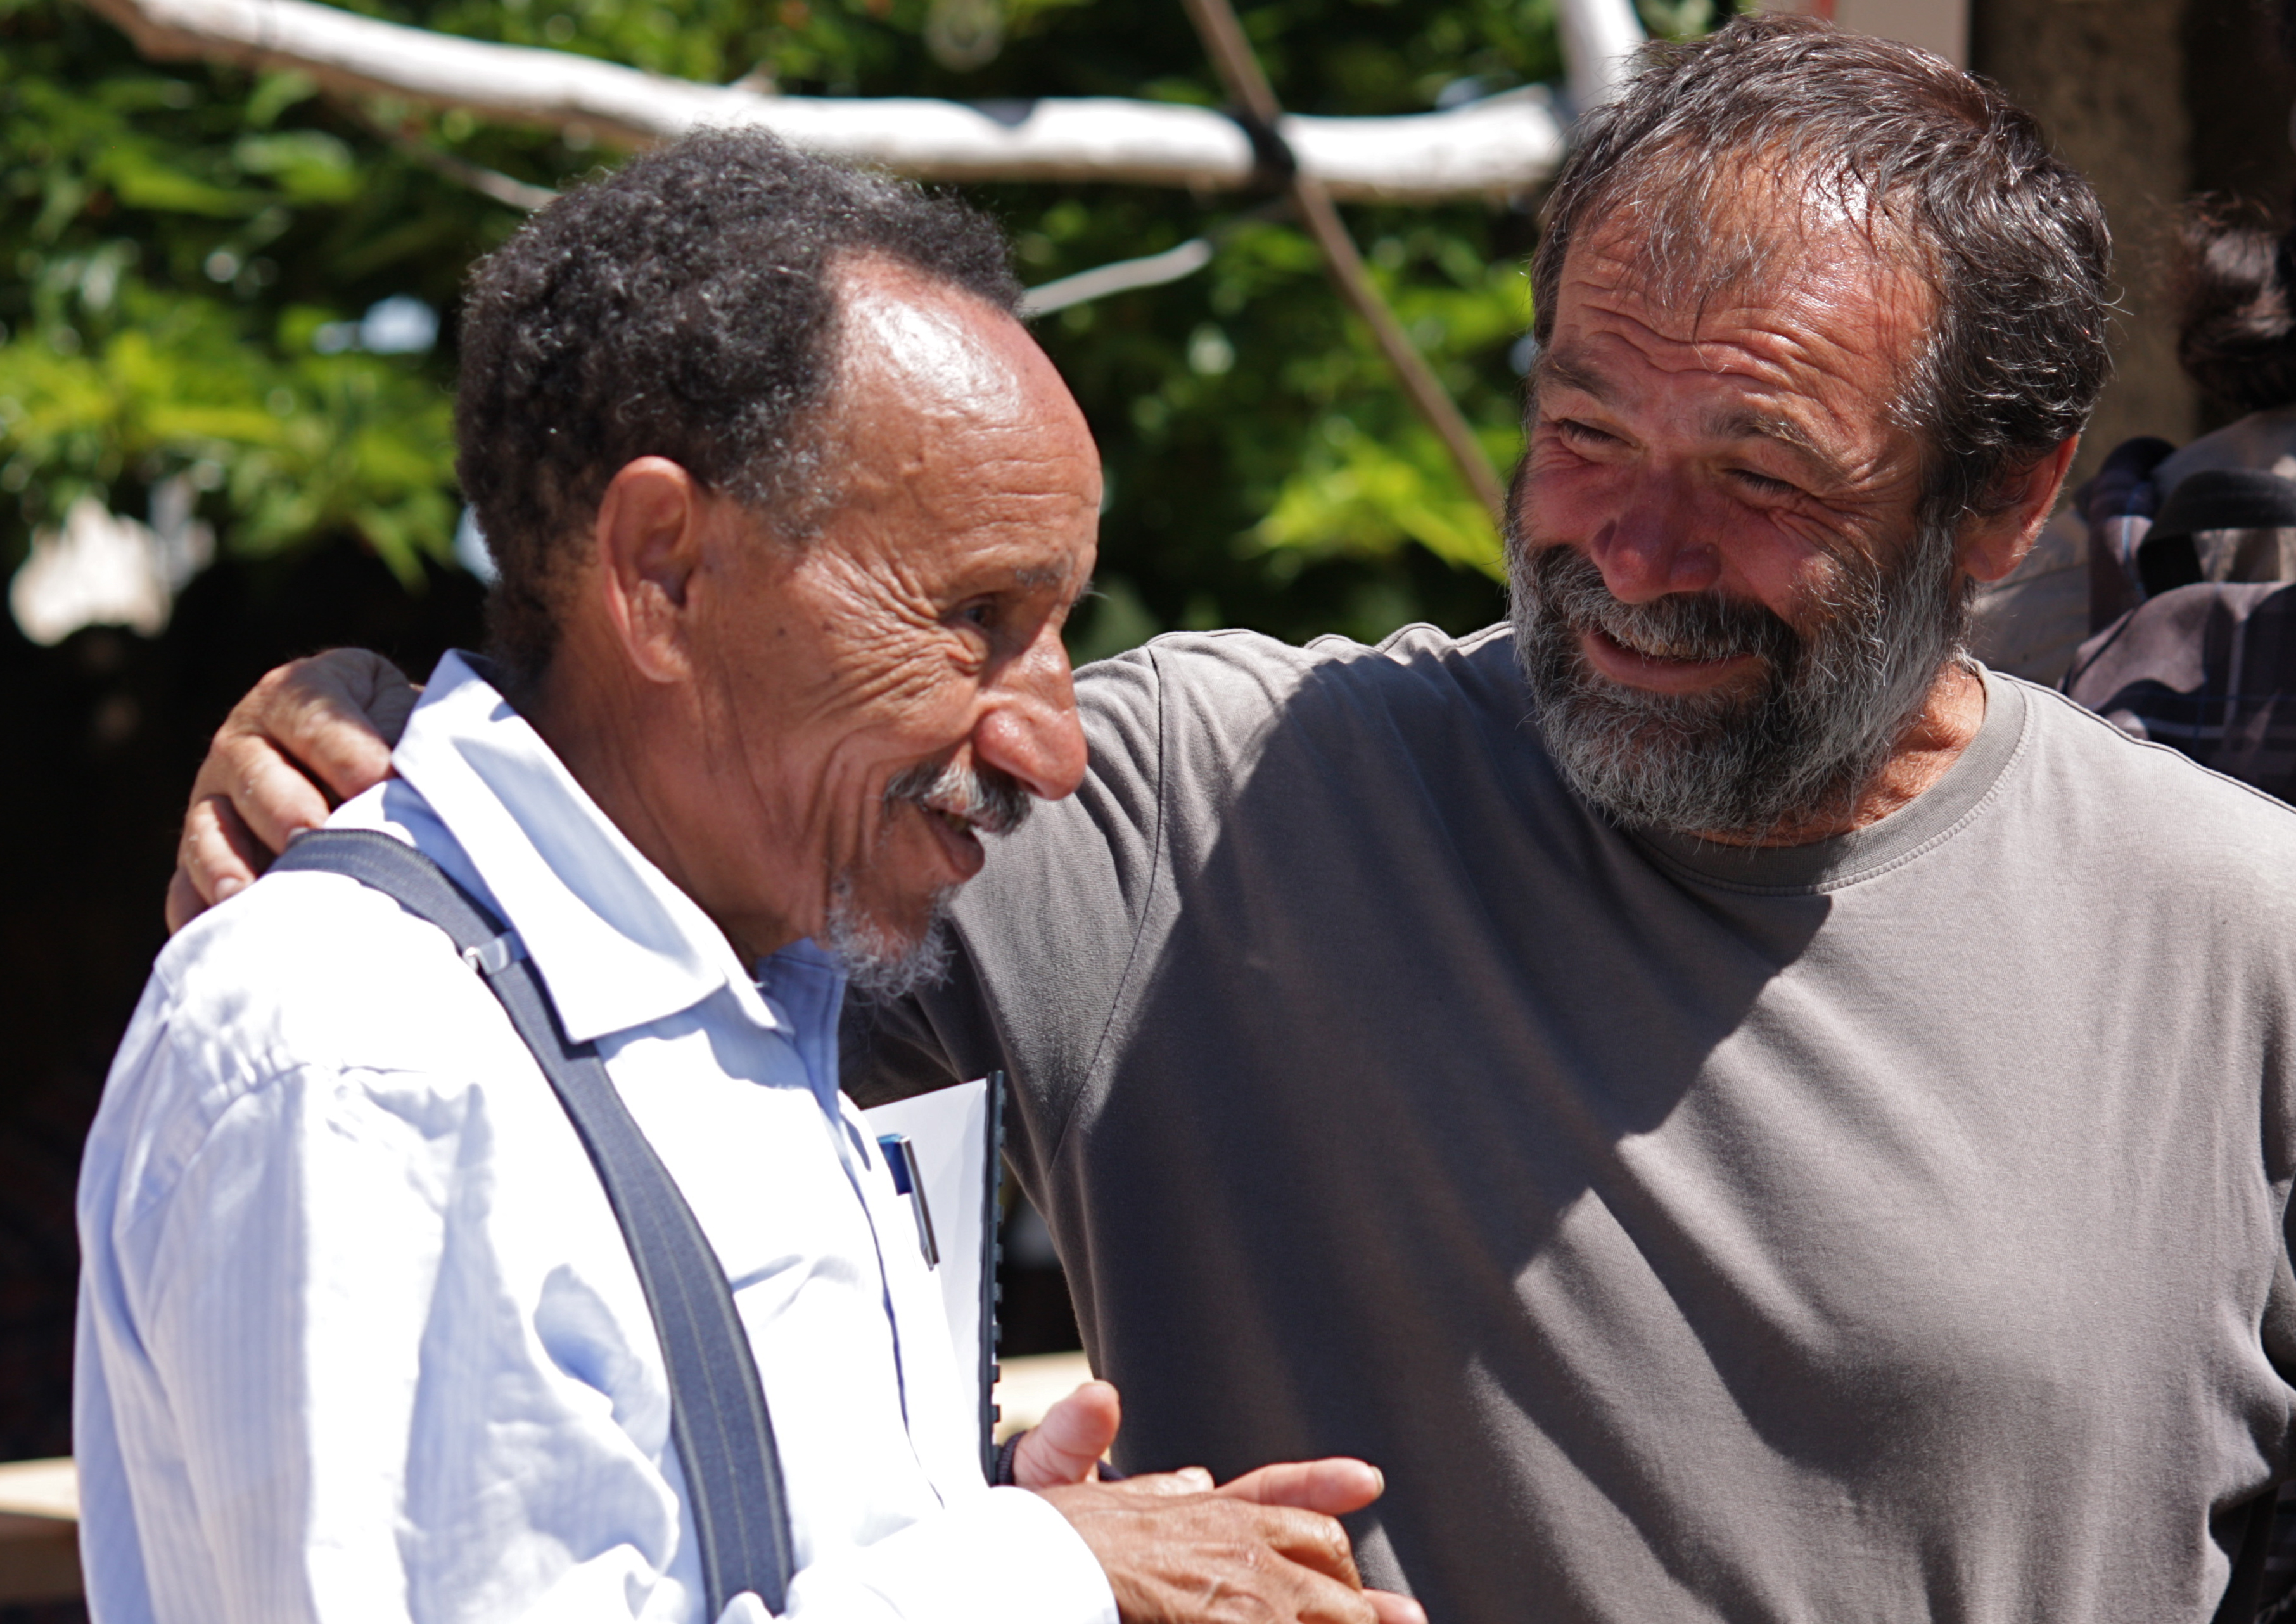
(311, 734)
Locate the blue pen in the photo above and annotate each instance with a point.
(901, 1156)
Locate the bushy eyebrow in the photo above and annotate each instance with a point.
(1561, 369)
(1741, 423)
(1747, 422)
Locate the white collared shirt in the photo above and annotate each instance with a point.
(360, 1337)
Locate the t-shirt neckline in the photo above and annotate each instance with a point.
(1846, 858)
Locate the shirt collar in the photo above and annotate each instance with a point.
(618, 945)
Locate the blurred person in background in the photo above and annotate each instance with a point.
(2191, 549)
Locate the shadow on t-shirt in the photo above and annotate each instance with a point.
(1400, 1006)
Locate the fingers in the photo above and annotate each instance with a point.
(1312, 1540)
(1390, 1608)
(254, 790)
(1333, 1487)
(336, 715)
(331, 719)
(1323, 1601)
(218, 856)
(1186, 1481)
(185, 903)
(1067, 1445)
(1177, 1554)
(309, 727)
(339, 714)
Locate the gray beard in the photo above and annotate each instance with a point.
(1831, 706)
(880, 966)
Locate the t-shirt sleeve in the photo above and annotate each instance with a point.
(2279, 1327)
(1042, 941)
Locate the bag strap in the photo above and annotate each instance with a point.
(718, 1414)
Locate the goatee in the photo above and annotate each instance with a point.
(881, 964)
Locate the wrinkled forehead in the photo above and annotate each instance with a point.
(951, 435)
(927, 343)
(1694, 236)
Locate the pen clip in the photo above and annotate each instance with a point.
(909, 1180)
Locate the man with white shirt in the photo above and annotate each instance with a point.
(790, 512)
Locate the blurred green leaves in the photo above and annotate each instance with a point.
(174, 241)
(174, 248)
(1372, 474)
(114, 382)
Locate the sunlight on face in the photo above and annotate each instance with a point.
(1725, 606)
(908, 653)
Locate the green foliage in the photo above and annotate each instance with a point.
(113, 378)
(176, 241)
(1372, 474)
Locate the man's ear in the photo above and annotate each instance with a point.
(1995, 541)
(649, 546)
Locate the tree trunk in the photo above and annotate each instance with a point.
(2106, 78)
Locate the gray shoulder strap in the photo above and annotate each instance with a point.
(718, 1408)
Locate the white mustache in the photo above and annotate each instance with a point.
(986, 799)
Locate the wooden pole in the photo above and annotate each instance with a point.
(1239, 69)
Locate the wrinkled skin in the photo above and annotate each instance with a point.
(312, 731)
(1741, 452)
(1740, 449)
(1747, 448)
(739, 705)
(1154, 1533)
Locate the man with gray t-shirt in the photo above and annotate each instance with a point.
(1806, 1142)
(1876, 1228)
(1742, 1113)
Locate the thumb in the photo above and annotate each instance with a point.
(1066, 1446)
(1390, 1608)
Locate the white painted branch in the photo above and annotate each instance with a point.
(1489, 148)
(1598, 39)
(1149, 271)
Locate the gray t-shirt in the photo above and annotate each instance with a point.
(1884, 1229)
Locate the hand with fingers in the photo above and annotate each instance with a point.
(1267, 1546)
(312, 733)
(1176, 1548)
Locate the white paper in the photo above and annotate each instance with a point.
(948, 1130)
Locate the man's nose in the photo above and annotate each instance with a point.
(1030, 730)
(1649, 546)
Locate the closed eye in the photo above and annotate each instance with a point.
(1763, 484)
(1571, 428)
